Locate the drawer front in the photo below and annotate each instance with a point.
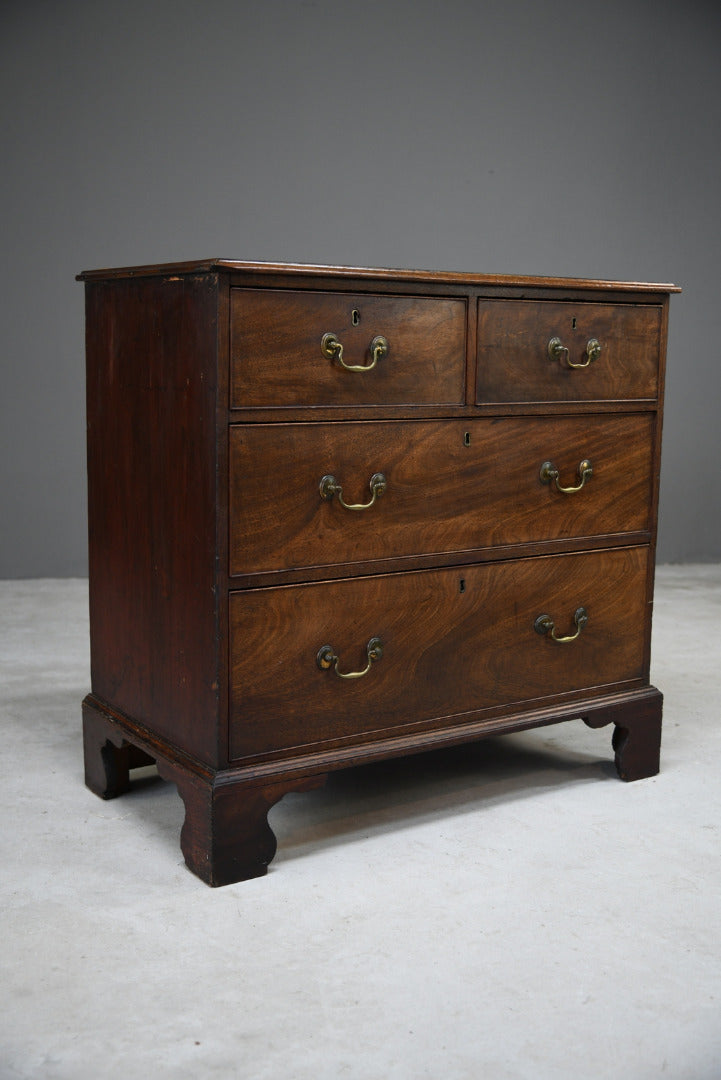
(277, 357)
(515, 364)
(449, 486)
(452, 641)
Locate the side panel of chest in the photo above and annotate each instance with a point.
(151, 417)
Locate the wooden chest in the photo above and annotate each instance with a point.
(338, 515)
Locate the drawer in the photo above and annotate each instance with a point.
(515, 364)
(453, 641)
(277, 358)
(451, 485)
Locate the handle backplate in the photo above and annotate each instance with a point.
(558, 351)
(329, 487)
(545, 626)
(332, 349)
(327, 658)
(550, 475)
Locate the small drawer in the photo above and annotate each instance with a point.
(429, 645)
(542, 351)
(288, 348)
(431, 487)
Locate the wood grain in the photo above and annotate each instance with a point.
(451, 486)
(242, 270)
(151, 415)
(454, 641)
(513, 361)
(276, 356)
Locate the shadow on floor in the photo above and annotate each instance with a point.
(367, 799)
(399, 793)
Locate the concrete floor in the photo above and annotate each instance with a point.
(507, 910)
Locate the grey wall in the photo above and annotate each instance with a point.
(508, 136)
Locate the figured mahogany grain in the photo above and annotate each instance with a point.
(276, 356)
(453, 485)
(455, 640)
(513, 360)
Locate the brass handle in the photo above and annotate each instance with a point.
(593, 350)
(327, 658)
(557, 350)
(329, 487)
(544, 625)
(332, 349)
(549, 474)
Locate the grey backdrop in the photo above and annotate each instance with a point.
(509, 136)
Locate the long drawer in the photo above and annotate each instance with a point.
(453, 485)
(536, 351)
(293, 348)
(435, 643)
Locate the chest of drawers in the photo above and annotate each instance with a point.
(341, 515)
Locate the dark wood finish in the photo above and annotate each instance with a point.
(636, 734)
(151, 418)
(106, 753)
(109, 756)
(453, 485)
(513, 360)
(226, 836)
(435, 627)
(291, 273)
(276, 357)
(217, 572)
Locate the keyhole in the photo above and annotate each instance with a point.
(467, 439)
(462, 585)
(573, 323)
(355, 316)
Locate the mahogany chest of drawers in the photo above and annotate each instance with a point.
(339, 515)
